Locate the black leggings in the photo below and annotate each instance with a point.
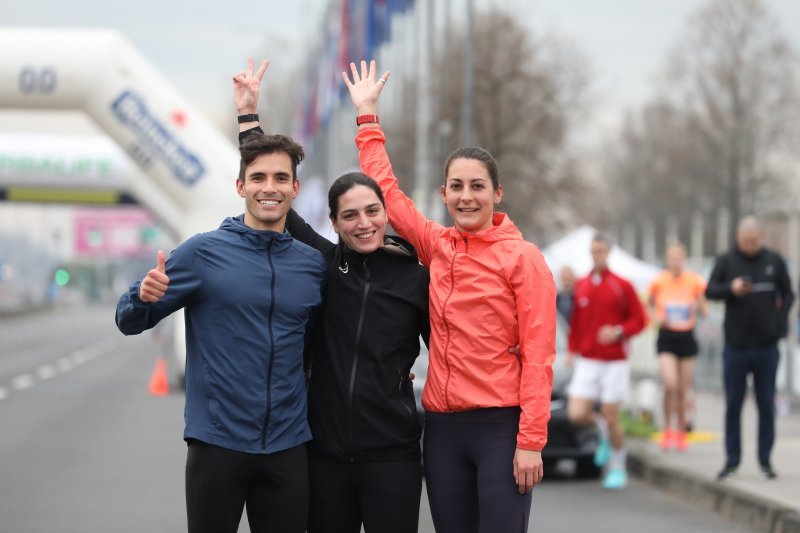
(220, 481)
(469, 472)
(383, 495)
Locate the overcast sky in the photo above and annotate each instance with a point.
(199, 44)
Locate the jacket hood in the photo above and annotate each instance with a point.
(503, 229)
(258, 238)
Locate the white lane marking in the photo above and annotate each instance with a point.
(22, 381)
(65, 364)
(46, 372)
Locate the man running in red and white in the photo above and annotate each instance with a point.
(606, 313)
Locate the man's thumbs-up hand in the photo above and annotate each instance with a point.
(155, 284)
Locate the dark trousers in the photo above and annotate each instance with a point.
(220, 482)
(382, 495)
(763, 364)
(469, 472)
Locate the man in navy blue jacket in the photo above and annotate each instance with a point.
(249, 291)
(754, 284)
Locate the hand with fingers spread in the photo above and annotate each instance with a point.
(246, 85)
(528, 469)
(364, 88)
(155, 284)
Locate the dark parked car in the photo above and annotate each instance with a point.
(564, 440)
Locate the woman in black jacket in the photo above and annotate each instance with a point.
(364, 460)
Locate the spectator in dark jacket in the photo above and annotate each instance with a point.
(754, 284)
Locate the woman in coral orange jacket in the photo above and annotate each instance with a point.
(486, 408)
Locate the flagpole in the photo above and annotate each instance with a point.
(425, 107)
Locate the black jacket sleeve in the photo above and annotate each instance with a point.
(304, 233)
(719, 286)
(784, 290)
(424, 320)
(247, 133)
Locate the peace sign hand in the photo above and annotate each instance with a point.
(365, 89)
(246, 85)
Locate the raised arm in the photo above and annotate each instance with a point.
(303, 232)
(246, 86)
(404, 217)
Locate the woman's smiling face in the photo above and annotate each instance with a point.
(469, 195)
(361, 220)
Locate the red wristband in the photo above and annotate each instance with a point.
(367, 119)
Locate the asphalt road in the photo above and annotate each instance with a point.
(85, 448)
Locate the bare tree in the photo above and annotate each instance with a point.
(723, 129)
(529, 93)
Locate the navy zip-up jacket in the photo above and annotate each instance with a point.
(249, 297)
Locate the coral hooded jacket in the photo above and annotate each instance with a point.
(489, 291)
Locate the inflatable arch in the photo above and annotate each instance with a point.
(188, 168)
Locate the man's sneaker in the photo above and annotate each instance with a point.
(728, 471)
(603, 453)
(680, 441)
(616, 479)
(768, 472)
(667, 439)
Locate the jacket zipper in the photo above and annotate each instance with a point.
(271, 348)
(447, 325)
(354, 368)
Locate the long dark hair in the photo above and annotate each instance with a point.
(346, 182)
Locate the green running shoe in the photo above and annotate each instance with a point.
(616, 479)
(603, 453)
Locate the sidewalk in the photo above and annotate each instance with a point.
(766, 505)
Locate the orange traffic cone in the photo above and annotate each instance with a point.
(159, 381)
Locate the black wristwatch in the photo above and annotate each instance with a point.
(247, 118)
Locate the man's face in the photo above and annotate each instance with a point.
(600, 255)
(268, 190)
(750, 241)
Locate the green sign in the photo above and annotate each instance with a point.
(13, 164)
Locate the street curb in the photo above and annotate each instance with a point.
(724, 499)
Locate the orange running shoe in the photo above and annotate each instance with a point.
(680, 441)
(667, 439)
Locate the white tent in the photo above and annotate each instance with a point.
(574, 250)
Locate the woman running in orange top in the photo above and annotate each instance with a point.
(676, 298)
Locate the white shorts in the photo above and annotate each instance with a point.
(606, 381)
